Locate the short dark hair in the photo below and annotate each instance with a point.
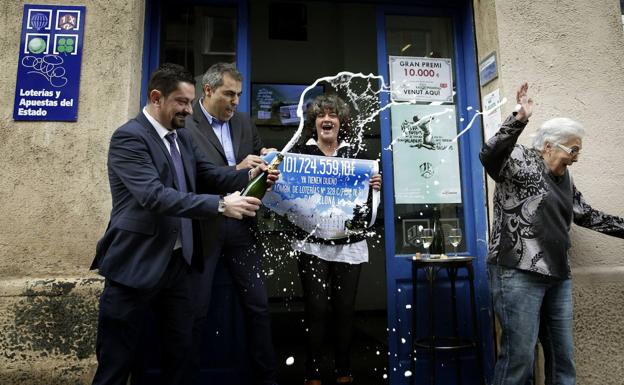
(333, 103)
(166, 78)
(214, 75)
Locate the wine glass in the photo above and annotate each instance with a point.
(426, 237)
(455, 238)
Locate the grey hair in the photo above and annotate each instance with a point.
(214, 75)
(557, 131)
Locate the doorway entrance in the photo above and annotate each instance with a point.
(291, 44)
(321, 39)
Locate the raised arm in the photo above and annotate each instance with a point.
(495, 151)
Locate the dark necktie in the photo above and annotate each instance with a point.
(186, 224)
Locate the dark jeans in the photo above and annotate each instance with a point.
(237, 248)
(122, 318)
(324, 283)
(529, 306)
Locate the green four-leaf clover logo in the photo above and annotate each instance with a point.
(65, 45)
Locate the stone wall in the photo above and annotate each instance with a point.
(47, 330)
(56, 201)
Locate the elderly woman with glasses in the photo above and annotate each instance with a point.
(535, 202)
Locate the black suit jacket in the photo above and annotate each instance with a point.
(245, 141)
(245, 138)
(137, 245)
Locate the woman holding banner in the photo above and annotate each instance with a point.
(330, 270)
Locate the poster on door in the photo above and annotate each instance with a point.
(425, 155)
(421, 79)
(50, 57)
(492, 120)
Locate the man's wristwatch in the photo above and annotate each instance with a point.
(221, 208)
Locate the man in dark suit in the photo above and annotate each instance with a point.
(229, 138)
(148, 251)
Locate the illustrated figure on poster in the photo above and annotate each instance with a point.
(425, 158)
(427, 135)
(418, 134)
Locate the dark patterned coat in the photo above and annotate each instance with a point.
(517, 238)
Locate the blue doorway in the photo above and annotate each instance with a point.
(440, 33)
(431, 30)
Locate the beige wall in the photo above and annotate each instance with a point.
(572, 54)
(55, 198)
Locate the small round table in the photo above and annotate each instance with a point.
(433, 342)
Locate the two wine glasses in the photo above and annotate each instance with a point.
(454, 237)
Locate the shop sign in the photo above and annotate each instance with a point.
(425, 155)
(50, 57)
(488, 69)
(421, 79)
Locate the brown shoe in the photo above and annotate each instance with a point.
(344, 380)
(312, 382)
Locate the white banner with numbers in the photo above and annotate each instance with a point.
(321, 195)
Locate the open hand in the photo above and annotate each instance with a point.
(525, 103)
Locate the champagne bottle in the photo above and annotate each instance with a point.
(257, 186)
(437, 246)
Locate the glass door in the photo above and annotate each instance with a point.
(197, 36)
(426, 167)
(429, 174)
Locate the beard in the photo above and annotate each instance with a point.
(178, 121)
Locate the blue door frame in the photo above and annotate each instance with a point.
(398, 267)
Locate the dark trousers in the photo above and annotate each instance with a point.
(236, 246)
(326, 283)
(122, 319)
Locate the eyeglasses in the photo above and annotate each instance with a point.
(574, 151)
